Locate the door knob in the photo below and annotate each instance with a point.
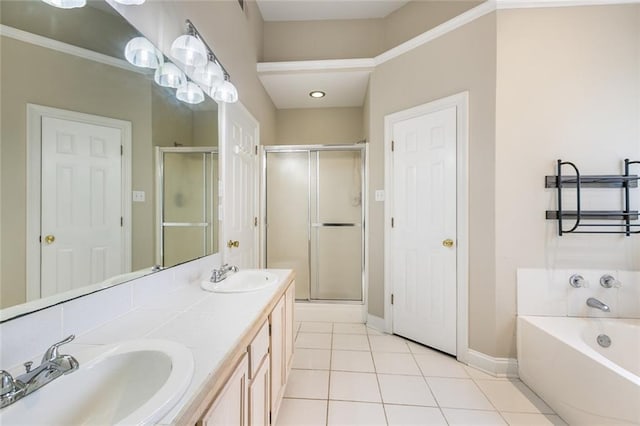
(232, 243)
(448, 243)
(49, 239)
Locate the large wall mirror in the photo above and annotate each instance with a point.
(104, 173)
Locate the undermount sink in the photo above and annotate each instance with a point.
(242, 281)
(129, 383)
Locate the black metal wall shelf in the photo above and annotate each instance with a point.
(625, 181)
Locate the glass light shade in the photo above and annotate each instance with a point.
(66, 4)
(190, 93)
(210, 76)
(225, 92)
(189, 51)
(169, 75)
(130, 2)
(142, 53)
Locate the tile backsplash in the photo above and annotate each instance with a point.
(28, 336)
(547, 292)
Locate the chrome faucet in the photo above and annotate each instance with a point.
(218, 275)
(53, 365)
(592, 302)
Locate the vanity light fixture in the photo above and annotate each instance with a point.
(225, 92)
(210, 76)
(203, 66)
(142, 53)
(190, 93)
(189, 50)
(317, 94)
(169, 75)
(130, 2)
(66, 4)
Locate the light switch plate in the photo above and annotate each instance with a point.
(379, 194)
(138, 196)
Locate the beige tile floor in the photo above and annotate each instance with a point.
(349, 374)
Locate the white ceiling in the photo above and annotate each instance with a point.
(312, 10)
(344, 82)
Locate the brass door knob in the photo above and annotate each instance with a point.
(448, 243)
(49, 239)
(232, 243)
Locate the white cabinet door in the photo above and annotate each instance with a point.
(278, 371)
(290, 296)
(259, 401)
(231, 406)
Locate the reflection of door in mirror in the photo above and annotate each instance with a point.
(79, 225)
(187, 203)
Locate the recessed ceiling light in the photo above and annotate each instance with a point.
(317, 94)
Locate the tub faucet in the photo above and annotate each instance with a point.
(592, 302)
(218, 275)
(53, 366)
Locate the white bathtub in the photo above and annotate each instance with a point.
(586, 384)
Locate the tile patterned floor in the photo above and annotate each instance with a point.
(349, 374)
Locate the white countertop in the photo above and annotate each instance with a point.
(210, 324)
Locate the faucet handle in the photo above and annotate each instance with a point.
(608, 281)
(6, 382)
(52, 352)
(578, 281)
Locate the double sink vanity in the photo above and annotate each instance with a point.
(185, 353)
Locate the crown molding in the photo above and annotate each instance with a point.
(69, 49)
(438, 31)
(321, 65)
(528, 4)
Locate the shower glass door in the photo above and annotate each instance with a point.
(187, 204)
(315, 216)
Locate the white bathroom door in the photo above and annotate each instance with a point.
(81, 211)
(240, 222)
(424, 229)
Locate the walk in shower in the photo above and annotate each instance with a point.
(314, 207)
(187, 204)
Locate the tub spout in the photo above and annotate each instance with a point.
(595, 303)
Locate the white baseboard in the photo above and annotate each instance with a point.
(329, 312)
(377, 323)
(498, 367)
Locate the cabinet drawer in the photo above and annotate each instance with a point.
(258, 349)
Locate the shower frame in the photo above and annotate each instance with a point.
(309, 149)
(159, 184)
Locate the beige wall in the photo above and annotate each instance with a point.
(310, 40)
(309, 126)
(44, 77)
(417, 17)
(233, 34)
(571, 92)
(395, 86)
(355, 38)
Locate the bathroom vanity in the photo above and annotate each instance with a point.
(248, 386)
(239, 348)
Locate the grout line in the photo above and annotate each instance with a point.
(433, 395)
(329, 384)
(375, 369)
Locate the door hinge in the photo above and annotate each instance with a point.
(255, 221)
(121, 150)
(40, 239)
(392, 298)
(269, 417)
(392, 222)
(256, 149)
(269, 329)
(393, 146)
(121, 221)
